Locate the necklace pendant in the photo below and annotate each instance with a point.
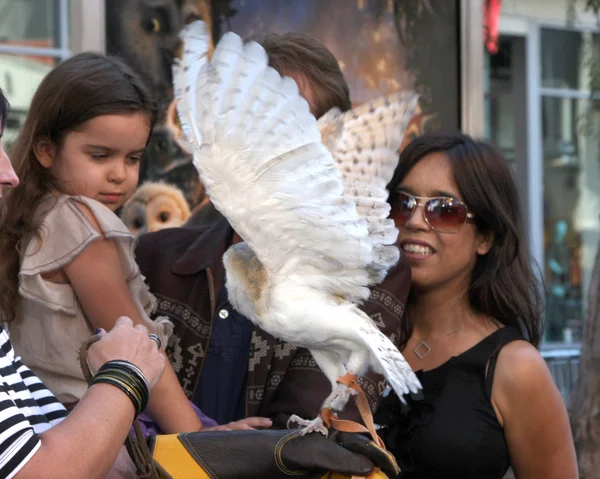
(422, 350)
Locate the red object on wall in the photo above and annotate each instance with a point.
(491, 24)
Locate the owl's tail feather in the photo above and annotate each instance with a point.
(387, 360)
(331, 419)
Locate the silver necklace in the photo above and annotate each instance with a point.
(423, 349)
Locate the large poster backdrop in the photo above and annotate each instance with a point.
(382, 46)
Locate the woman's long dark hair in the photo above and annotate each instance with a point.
(81, 88)
(503, 284)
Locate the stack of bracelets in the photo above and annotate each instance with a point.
(128, 378)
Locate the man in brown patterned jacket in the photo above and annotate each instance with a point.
(230, 368)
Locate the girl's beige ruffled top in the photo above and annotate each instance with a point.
(50, 324)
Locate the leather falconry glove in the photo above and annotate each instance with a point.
(273, 454)
(257, 454)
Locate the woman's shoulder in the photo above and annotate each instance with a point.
(521, 373)
(516, 357)
(520, 356)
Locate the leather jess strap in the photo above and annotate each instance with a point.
(85, 368)
(343, 425)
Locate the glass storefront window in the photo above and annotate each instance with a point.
(571, 148)
(500, 99)
(561, 58)
(31, 23)
(19, 78)
(571, 210)
(33, 39)
(565, 58)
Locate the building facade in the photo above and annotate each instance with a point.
(542, 111)
(34, 36)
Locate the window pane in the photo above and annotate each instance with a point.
(19, 78)
(500, 106)
(30, 23)
(566, 58)
(571, 210)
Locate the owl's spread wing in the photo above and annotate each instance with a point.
(364, 143)
(259, 153)
(195, 52)
(365, 140)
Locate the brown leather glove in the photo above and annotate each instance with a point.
(272, 454)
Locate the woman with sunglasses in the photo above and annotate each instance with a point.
(472, 324)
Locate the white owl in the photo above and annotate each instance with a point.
(316, 232)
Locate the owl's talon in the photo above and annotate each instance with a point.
(316, 425)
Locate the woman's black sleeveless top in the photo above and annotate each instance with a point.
(453, 432)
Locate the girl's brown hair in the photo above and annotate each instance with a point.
(503, 283)
(81, 88)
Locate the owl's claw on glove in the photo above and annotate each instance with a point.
(316, 425)
(340, 397)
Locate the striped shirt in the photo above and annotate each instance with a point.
(27, 409)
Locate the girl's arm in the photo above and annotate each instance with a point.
(97, 278)
(535, 420)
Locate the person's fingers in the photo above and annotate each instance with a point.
(216, 428)
(256, 421)
(142, 328)
(124, 321)
(237, 426)
(156, 339)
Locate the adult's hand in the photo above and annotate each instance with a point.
(246, 424)
(101, 420)
(131, 344)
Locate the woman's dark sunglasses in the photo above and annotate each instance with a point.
(443, 214)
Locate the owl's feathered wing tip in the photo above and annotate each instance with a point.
(365, 140)
(195, 39)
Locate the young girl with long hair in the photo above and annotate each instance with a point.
(66, 259)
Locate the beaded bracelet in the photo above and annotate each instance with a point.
(129, 379)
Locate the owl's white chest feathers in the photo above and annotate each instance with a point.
(302, 316)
